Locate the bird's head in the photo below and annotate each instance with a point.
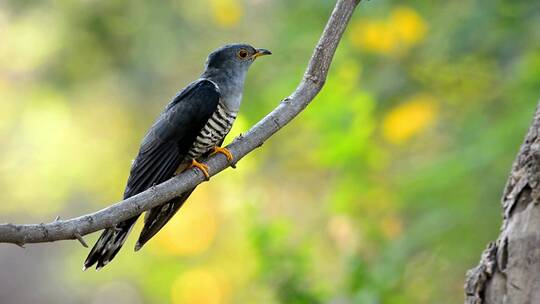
(237, 56)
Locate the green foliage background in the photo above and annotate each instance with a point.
(385, 190)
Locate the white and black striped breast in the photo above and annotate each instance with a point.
(213, 132)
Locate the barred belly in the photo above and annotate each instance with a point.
(213, 132)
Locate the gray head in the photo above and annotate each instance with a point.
(228, 66)
(236, 57)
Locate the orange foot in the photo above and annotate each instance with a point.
(223, 151)
(201, 166)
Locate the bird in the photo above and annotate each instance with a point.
(191, 127)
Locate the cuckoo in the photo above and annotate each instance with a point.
(192, 126)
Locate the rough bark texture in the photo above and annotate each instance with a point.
(509, 270)
(309, 87)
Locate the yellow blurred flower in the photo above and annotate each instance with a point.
(402, 30)
(192, 230)
(373, 35)
(409, 26)
(197, 286)
(409, 118)
(227, 13)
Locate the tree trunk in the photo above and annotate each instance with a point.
(509, 270)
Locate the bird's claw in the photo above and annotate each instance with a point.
(204, 168)
(223, 151)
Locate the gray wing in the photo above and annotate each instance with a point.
(168, 141)
(162, 150)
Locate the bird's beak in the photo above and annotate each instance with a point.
(261, 52)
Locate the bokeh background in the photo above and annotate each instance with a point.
(384, 190)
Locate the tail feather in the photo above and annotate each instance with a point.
(108, 244)
(156, 218)
(112, 239)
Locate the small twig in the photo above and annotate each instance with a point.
(79, 237)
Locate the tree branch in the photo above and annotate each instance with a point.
(310, 85)
(508, 270)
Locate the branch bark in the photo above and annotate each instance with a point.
(509, 269)
(290, 107)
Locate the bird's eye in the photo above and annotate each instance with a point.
(242, 54)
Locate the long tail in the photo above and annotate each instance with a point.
(109, 243)
(157, 217)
